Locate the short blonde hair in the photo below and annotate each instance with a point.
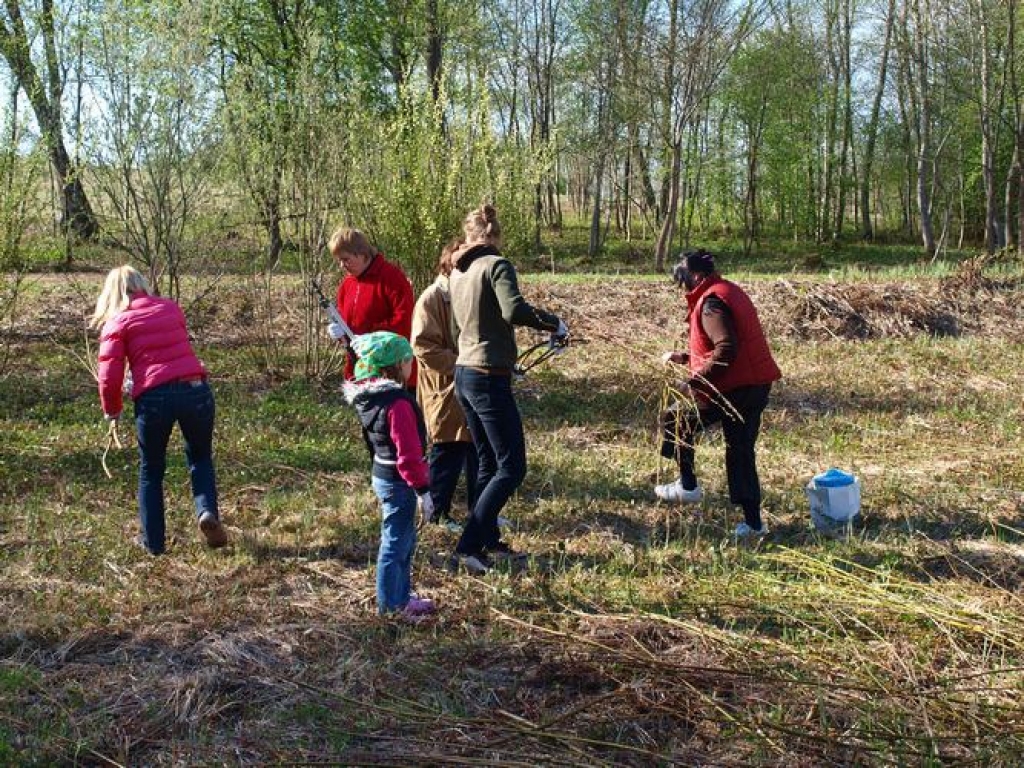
(481, 225)
(349, 240)
(121, 283)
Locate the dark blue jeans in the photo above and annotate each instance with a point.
(447, 461)
(497, 429)
(190, 406)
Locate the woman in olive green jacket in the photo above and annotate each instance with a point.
(436, 351)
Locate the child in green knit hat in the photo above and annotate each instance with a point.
(395, 430)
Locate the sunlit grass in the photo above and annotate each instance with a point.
(637, 633)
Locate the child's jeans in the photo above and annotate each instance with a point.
(397, 543)
(189, 405)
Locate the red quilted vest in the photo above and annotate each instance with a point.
(754, 363)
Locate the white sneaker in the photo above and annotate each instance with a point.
(676, 492)
(744, 531)
(477, 565)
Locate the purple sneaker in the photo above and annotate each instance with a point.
(418, 607)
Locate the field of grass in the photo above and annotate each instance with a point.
(636, 634)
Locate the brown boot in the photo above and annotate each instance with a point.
(215, 533)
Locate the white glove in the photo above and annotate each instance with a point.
(561, 331)
(679, 358)
(111, 417)
(336, 332)
(127, 386)
(426, 506)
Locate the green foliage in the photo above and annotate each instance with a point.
(155, 153)
(416, 175)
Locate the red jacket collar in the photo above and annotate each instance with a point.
(375, 266)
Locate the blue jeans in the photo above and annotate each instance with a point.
(447, 461)
(497, 429)
(191, 407)
(397, 543)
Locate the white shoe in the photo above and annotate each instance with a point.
(744, 531)
(676, 492)
(477, 565)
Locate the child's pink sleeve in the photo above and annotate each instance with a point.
(406, 437)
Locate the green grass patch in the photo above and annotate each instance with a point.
(636, 633)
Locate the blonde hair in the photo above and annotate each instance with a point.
(117, 292)
(481, 225)
(348, 240)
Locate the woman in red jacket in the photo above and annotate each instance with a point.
(375, 295)
(169, 386)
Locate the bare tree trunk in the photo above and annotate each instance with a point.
(669, 222)
(831, 120)
(77, 217)
(847, 138)
(699, 133)
(1014, 178)
(595, 215)
(988, 139)
(650, 198)
(867, 230)
(924, 150)
(435, 48)
(1009, 188)
(751, 220)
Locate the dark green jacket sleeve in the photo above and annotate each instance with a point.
(514, 308)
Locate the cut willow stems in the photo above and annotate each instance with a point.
(113, 440)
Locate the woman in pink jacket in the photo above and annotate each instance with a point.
(169, 386)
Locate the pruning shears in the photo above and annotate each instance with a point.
(329, 307)
(541, 351)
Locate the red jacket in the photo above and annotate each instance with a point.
(380, 299)
(754, 363)
(151, 335)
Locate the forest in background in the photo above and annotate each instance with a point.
(162, 129)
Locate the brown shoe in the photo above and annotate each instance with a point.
(215, 533)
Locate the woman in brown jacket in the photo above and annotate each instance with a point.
(451, 444)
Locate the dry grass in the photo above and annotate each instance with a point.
(638, 634)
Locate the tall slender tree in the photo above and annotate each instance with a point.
(43, 84)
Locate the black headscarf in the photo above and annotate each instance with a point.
(693, 261)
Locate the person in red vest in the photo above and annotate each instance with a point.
(374, 295)
(731, 371)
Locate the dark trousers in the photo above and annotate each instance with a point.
(497, 429)
(447, 462)
(191, 407)
(740, 417)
